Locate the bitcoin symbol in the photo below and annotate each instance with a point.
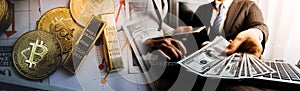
(32, 60)
(61, 29)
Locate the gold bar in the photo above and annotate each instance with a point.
(85, 43)
(111, 47)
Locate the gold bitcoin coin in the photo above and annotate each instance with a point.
(58, 21)
(3, 8)
(3, 14)
(7, 18)
(83, 10)
(37, 54)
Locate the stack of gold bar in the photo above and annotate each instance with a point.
(6, 12)
(112, 53)
(64, 30)
(84, 44)
(82, 11)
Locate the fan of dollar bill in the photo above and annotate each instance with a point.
(211, 61)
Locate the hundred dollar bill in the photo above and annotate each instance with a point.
(232, 68)
(204, 59)
(270, 70)
(216, 70)
(243, 68)
(254, 69)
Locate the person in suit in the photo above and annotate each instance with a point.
(242, 24)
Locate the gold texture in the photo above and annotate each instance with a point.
(37, 54)
(58, 21)
(3, 8)
(83, 10)
(111, 44)
(84, 44)
(6, 12)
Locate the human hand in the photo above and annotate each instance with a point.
(248, 41)
(168, 47)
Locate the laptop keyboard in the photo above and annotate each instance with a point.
(285, 72)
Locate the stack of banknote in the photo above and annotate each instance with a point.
(211, 61)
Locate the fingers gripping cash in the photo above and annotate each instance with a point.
(212, 61)
(248, 41)
(217, 58)
(174, 48)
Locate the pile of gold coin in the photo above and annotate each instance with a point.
(6, 12)
(38, 53)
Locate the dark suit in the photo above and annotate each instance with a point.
(242, 15)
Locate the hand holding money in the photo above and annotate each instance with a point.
(211, 61)
(248, 41)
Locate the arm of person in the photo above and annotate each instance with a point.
(254, 38)
(151, 40)
(168, 47)
(247, 41)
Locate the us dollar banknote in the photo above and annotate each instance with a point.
(207, 57)
(211, 61)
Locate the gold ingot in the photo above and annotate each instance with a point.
(37, 54)
(111, 47)
(83, 45)
(58, 21)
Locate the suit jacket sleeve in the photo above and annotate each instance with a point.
(257, 21)
(243, 15)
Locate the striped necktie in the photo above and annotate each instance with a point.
(214, 31)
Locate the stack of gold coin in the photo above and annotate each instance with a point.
(6, 12)
(58, 21)
(37, 54)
